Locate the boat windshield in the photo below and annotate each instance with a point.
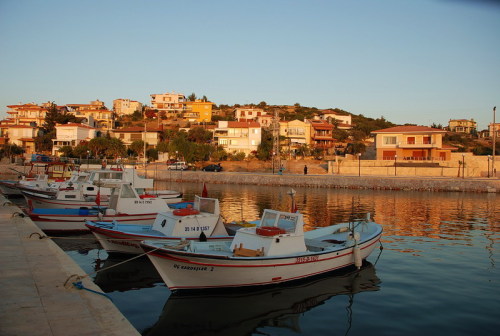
(287, 222)
(268, 219)
(127, 192)
(207, 205)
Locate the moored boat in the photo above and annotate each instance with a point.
(125, 205)
(276, 250)
(201, 220)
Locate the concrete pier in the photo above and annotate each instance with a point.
(34, 297)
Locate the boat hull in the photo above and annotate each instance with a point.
(74, 223)
(183, 270)
(9, 188)
(41, 201)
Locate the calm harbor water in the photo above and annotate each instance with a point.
(436, 274)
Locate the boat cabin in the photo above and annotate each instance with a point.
(125, 199)
(277, 233)
(204, 217)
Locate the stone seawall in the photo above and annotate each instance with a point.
(481, 185)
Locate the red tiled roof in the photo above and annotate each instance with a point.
(20, 126)
(73, 125)
(410, 129)
(242, 124)
(26, 139)
(137, 129)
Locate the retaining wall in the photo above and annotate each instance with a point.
(333, 181)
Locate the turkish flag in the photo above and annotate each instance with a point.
(204, 193)
(98, 198)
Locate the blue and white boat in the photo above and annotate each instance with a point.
(202, 220)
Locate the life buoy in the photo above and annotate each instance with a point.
(117, 169)
(269, 231)
(146, 196)
(59, 180)
(185, 212)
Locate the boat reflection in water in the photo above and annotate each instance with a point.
(120, 273)
(241, 313)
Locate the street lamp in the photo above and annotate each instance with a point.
(359, 164)
(489, 158)
(395, 162)
(463, 165)
(88, 154)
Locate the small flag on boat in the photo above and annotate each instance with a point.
(204, 193)
(98, 198)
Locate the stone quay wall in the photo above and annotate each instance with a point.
(479, 185)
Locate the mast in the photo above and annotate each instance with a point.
(494, 142)
(276, 141)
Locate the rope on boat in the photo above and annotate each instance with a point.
(381, 249)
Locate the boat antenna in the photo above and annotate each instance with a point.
(293, 207)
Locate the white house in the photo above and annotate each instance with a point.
(71, 135)
(238, 136)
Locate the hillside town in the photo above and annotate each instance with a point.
(175, 127)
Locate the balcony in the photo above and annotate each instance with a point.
(417, 144)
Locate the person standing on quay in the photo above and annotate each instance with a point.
(305, 169)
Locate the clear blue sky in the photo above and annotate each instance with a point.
(415, 61)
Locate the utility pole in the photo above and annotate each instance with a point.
(276, 141)
(494, 142)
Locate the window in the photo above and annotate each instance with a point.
(389, 140)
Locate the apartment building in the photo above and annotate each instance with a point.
(295, 133)
(151, 135)
(253, 114)
(341, 121)
(197, 111)
(411, 143)
(462, 125)
(28, 114)
(71, 135)
(321, 134)
(21, 135)
(169, 104)
(96, 110)
(238, 136)
(126, 106)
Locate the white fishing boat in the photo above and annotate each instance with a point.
(81, 190)
(201, 221)
(276, 250)
(41, 176)
(125, 205)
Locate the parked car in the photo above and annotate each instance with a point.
(178, 166)
(213, 167)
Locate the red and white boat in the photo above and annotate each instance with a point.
(277, 250)
(81, 190)
(125, 205)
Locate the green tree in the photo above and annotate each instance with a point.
(192, 97)
(116, 148)
(265, 148)
(137, 147)
(162, 147)
(66, 151)
(98, 146)
(11, 150)
(199, 135)
(43, 142)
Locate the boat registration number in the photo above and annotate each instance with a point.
(301, 260)
(196, 228)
